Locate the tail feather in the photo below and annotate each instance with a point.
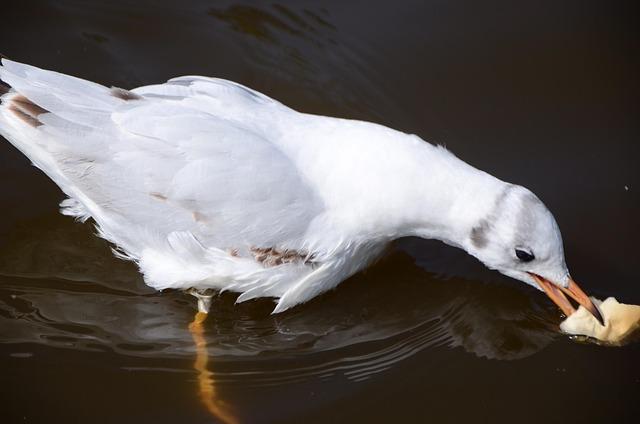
(45, 115)
(63, 125)
(26, 78)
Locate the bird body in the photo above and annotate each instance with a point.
(208, 184)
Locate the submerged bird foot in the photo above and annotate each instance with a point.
(195, 327)
(209, 396)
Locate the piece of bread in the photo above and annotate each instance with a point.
(620, 321)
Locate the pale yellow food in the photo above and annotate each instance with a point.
(620, 321)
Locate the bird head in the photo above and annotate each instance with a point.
(521, 239)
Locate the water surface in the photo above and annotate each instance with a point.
(544, 96)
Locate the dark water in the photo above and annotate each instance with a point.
(545, 96)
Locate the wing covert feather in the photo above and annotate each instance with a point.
(229, 186)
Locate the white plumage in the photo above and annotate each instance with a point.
(205, 183)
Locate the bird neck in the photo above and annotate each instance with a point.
(447, 198)
(378, 184)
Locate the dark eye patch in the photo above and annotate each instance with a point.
(524, 256)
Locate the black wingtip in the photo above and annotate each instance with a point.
(2, 59)
(4, 88)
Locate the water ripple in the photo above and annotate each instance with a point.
(355, 332)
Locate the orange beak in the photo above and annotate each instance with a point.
(574, 291)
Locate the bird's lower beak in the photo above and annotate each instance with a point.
(556, 294)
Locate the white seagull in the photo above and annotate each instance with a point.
(208, 185)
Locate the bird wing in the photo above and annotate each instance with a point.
(228, 185)
(186, 168)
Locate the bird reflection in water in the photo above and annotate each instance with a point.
(206, 382)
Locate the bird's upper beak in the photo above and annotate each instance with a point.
(555, 293)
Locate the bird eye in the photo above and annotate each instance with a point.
(524, 256)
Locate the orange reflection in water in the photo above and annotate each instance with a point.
(206, 386)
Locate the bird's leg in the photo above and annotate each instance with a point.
(204, 297)
(206, 383)
(204, 303)
(196, 324)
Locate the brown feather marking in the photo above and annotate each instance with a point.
(25, 117)
(4, 88)
(270, 256)
(158, 196)
(198, 217)
(27, 106)
(123, 94)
